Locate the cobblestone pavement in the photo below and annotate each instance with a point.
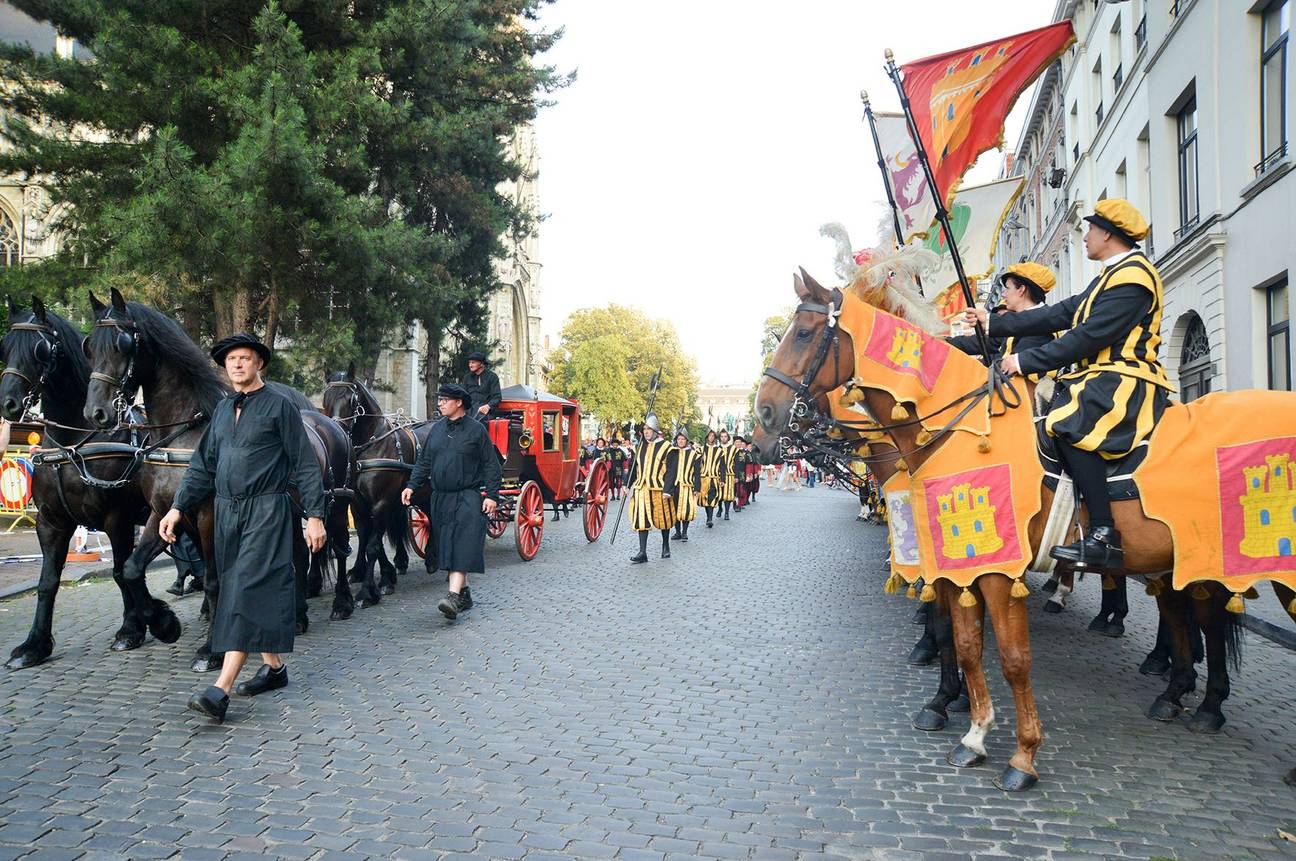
(747, 698)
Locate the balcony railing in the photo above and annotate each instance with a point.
(1118, 78)
(1140, 33)
(1098, 114)
(1270, 161)
(1187, 227)
(1178, 7)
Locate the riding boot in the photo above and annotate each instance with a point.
(1099, 550)
(677, 535)
(710, 511)
(726, 511)
(642, 556)
(684, 531)
(665, 544)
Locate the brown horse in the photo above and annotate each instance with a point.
(815, 357)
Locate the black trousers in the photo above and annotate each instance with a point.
(1088, 470)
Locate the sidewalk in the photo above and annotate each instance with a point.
(20, 563)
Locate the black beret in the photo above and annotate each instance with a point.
(456, 391)
(240, 339)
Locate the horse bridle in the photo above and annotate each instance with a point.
(127, 343)
(356, 407)
(801, 390)
(46, 352)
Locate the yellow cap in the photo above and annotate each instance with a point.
(1119, 216)
(1039, 275)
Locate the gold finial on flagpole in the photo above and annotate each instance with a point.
(890, 56)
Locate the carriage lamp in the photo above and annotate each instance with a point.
(525, 441)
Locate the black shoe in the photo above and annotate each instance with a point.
(683, 536)
(726, 517)
(465, 600)
(265, 679)
(177, 588)
(639, 558)
(212, 702)
(450, 606)
(1099, 550)
(665, 550)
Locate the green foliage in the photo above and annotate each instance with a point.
(771, 333)
(606, 360)
(323, 172)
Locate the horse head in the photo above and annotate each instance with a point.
(119, 361)
(813, 358)
(32, 351)
(342, 400)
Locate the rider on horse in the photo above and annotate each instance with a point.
(1110, 400)
(1025, 287)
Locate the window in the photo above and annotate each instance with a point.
(1279, 339)
(1195, 362)
(548, 426)
(1118, 78)
(1189, 201)
(8, 241)
(1140, 33)
(1273, 84)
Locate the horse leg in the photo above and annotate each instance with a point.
(39, 645)
(1223, 633)
(1157, 662)
(1107, 608)
(339, 538)
(1117, 601)
(121, 534)
(154, 613)
(301, 563)
(1012, 633)
(318, 561)
(1174, 610)
(205, 660)
(370, 548)
(926, 649)
(934, 715)
(363, 516)
(398, 533)
(1288, 599)
(969, 635)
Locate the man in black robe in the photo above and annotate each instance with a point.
(483, 387)
(253, 448)
(463, 467)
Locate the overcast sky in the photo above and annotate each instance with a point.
(688, 169)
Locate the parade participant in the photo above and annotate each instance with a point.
(616, 461)
(753, 478)
(462, 465)
(741, 458)
(483, 387)
(1025, 287)
(652, 479)
(727, 483)
(688, 476)
(713, 475)
(1111, 401)
(254, 447)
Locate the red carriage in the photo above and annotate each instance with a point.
(538, 435)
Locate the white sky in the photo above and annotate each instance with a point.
(688, 169)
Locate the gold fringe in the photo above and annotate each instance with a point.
(899, 413)
(923, 437)
(1020, 589)
(892, 585)
(1155, 587)
(1109, 582)
(929, 594)
(1251, 594)
(900, 464)
(1235, 604)
(967, 599)
(912, 592)
(983, 445)
(1200, 593)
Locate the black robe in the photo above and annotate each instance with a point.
(460, 461)
(483, 388)
(249, 465)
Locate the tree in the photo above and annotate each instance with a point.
(325, 172)
(772, 331)
(607, 354)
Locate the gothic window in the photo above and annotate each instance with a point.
(1264, 517)
(8, 241)
(977, 526)
(954, 531)
(1195, 362)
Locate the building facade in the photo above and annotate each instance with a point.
(725, 407)
(1182, 108)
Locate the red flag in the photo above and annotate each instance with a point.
(960, 99)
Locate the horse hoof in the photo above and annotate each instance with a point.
(922, 654)
(1053, 607)
(1205, 723)
(920, 615)
(1015, 780)
(355, 577)
(1114, 629)
(365, 603)
(303, 625)
(127, 642)
(24, 658)
(401, 572)
(1049, 587)
(165, 627)
(965, 757)
(386, 589)
(929, 720)
(960, 705)
(1290, 778)
(1099, 624)
(1154, 666)
(206, 663)
(1164, 710)
(340, 614)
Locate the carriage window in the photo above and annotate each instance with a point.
(549, 426)
(566, 432)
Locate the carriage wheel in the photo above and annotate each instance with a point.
(596, 501)
(420, 531)
(528, 522)
(499, 521)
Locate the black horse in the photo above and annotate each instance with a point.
(44, 362)
(385, 454)
(134, 348)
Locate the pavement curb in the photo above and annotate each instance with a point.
(17, 590)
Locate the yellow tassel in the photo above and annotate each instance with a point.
(1109, 583)
(967, 599)
(899, 413)
(1155, 588)
(900, 464)
(983, 445)
(912, 592)
(923, 437)
(1200, 593)
(1251, 594)
(929, 594)
(1020, 589)
(1235, 604)
(1291, 608)
(834, 433)
(852, 397)
(892, 585)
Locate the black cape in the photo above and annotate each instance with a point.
(483, 388)
(249, 466)
(459, 461)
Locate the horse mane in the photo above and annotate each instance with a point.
(69, 337)
(883, 277)
(169, 340)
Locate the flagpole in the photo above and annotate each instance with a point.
(881, 163)
(942, 214)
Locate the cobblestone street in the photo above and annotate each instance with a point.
(747, 698)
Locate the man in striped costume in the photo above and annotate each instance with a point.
(713, 475)
(1025, 287)
(652, 479)
(1116, 390)
(687, 483)
(727, 482)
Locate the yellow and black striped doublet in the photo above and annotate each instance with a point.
(1116, 390)
(650, 476)
(685, 492)
(727, 481)
(713, 472)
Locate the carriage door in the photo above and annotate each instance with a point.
(570, 450)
